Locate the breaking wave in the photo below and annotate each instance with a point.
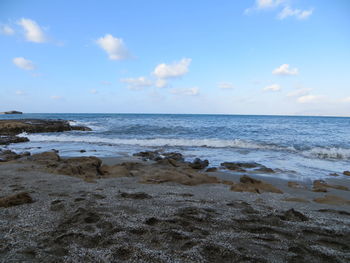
(316, 152)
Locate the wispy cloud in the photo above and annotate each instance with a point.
(114, 47)
(23, 63)
(194, 91)
(297, 13)
(286, 11)
(33, 32)
(299, 92)
(137, 83)
(284, 69)
(174, 70)
(6, 30)
(310, 99)
(273, 87)
(56, 97)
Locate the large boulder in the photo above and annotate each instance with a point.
(7, 155)
(7, 139)
(199, 164)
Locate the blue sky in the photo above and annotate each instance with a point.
(231, 57)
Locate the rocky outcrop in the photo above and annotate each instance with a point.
(243, 167)
(7, 155)
(11, 112)
(4, 139)
(14, 127)
(248, 184)
(332, 200)
(321, 186)
(346, 173)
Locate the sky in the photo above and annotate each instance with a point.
(270, 57)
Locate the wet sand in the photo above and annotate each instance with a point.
(128, 219)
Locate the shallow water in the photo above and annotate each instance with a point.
(312, 147)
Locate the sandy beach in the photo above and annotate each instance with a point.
(137, 211)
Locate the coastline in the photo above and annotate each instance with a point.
(122, 218)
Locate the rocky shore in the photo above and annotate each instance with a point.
(10, 128)
(156, 207)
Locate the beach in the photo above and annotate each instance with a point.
(157, 206)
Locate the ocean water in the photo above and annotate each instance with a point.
(303, 148)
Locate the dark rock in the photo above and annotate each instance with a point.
(293, 215)
(211, 169)
(248, 184)
(199, 164)
(11, 112)
(264, 169)
(346, 173)
(139, 195)
(13, 127)
(82, 151)
(4, 140)
(17, 199)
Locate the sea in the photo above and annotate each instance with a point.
(299, 147)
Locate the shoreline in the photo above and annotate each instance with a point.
(141, 210)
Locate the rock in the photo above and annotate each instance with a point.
(233, 166)
(119, 170)
(211, 169)
(82, 151)
(158, 156)
(334, 174)
(82, 167)
(139, 195)
(321, 186)
(16, 199)
(7, 155)
(4, 140)
(296, 185)
(11, 112)
(181, 176)
(332, 200)
(45, 157)
(295, 199)
(248, 184)
(293, 215)
(242, 167)
(13, 127)
(346, 173)
(199, 164)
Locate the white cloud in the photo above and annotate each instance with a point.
(20, 92)
(33, 31)
(263, 5)
(23, 63)
(56, 97)
(298, 13)
(285, 70)
(299, 92)
(225, 85)
(186, 91)
(137, 83)
(93, 91)
(174, 70)
(114, 47)
(310, 99)
(7, 30)
(273, 87)
(161, 83)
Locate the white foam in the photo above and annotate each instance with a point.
(157, 142)
(328, 153)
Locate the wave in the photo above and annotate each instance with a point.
(328, 153)
(156, 142)
(90, 124)
(316, 152)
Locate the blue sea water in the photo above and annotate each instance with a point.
(302, 148)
